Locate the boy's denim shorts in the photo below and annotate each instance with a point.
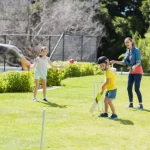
(111, 94)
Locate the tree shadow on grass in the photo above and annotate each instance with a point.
(125, 122)
(53, 104)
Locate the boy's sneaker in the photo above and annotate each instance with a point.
(103, 115)
(34, 99)
(113, 116)
(140, 107)
(130, 105)
(45, 99)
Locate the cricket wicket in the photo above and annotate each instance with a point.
(97, 86)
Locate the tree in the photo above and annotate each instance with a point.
(122, 18)
(69, 16)
(50, 17)
(13, 16)
(145, 9)
(144, 45)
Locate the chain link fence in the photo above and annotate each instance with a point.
(78, 47)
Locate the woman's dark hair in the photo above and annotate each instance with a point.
(131, 40)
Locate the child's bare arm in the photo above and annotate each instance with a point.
(36, 61)
(104, 86)
(116, 62)
(54, 66)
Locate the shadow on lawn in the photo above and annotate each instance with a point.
(53, 104)
(125, 122)
(147, 110)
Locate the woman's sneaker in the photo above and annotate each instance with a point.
(140, 107)
(130, 105)
(103, 115)
(45, 99)
(113, 116)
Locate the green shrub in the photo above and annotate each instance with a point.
(22, 81)
(14, 81)
(96, 69)
(86, 69)
(54, 77)
(72, 70)
(145, 64)
(81, 69)
(1, 84)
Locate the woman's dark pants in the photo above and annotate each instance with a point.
(136, 80)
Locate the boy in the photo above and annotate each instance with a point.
(110, 85)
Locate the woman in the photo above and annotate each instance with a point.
(40, 66)
(132, 59)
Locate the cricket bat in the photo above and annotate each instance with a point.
(95, 103)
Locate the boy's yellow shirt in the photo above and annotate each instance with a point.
(111, 75)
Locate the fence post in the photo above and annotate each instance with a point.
(5, 39)
(97, 45)
(81, 47)
(63, 52)
(49, 45)
(4, 62)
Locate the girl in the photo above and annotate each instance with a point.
(41, 72)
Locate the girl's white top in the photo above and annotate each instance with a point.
(41, 68)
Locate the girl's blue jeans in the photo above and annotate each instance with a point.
(136, 80)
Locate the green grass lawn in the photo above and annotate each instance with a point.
(68, 123)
